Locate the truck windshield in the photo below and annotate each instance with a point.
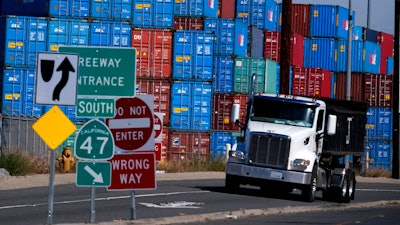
(282, 112)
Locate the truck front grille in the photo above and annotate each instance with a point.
(269, 150)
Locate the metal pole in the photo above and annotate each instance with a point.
(396, 111)
(348, 77)
(93, 206)
(51, 187)
(133, 206)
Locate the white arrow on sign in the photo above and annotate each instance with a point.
(98, 178)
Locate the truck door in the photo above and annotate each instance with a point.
(319, 136)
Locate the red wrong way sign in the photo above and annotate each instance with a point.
(134, 171)
(133, 124)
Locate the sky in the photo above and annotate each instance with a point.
(381, 15)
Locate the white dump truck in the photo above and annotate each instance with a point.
(303, 143)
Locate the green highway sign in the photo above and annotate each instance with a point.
(93, 174)
(94, 141)
(95, 107)
(105, 71)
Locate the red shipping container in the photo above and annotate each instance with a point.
(164, 145)
(222, 108)
(387, 49)
(161, 90)
(272, 47)
(301, 19)
(154, 53)
(356, 90)
(227, 9)
(311, 82)
(378, 90)
(188, 23)
(188, 146)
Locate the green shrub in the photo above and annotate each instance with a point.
(15, 164)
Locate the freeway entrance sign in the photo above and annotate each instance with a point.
(93, 174)
(105, 71)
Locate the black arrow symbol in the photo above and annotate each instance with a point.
(65, 67)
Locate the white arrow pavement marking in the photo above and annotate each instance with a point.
(176, 205)
(98, 178)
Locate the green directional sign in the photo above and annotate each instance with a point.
(105, 71)
(95, 107)
(93, 174)
(94, 141)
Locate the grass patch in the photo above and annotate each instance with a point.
(20, 164)
(376, 172)
(193, 165)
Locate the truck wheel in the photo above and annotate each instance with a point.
(343, 192)
(310, 190)
(231, 183)
(352, 186)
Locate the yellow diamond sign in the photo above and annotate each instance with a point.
(54, 127)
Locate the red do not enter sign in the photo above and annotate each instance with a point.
(133, 124)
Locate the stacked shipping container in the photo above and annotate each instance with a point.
(196, 57)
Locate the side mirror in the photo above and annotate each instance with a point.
(235, 113)
(331, 125)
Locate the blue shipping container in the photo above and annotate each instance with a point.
(241, 39)
(196, 8)
(371, 57)
(112, 10)
(380, 153)
(110, 34)
(379, 123)
(390, 65)
(271, 16)
(219, 141)
(320, 53)
(21, 40)
(224, 31)
(153, 13)
(356, 55)
(262, 14)
(47, 8)
(223, 70)
(18, 93)
(329, 21)
(70, 32)
(191, 106)
(193, 55)
(357, 33)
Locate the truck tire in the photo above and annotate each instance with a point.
(231, 183)
(343, 192)
(308, 192)
(352, 186)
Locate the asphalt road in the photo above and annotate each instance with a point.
(177, 199)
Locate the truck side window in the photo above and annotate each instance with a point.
(320, 120)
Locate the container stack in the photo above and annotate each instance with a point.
(197, 57)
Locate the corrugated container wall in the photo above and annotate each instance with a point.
(227, 9)
(188, 23)
(256, 42)
(272, 47)
(188, 146)
(152, 14)
(262, 14)
(223, 74)
(224, 31)
(357, 86)
(320, 53)
(387, 49)
(357, 33)
(380, 153)
(370, 35)
(222, 107)
(70, 32)
(379, 123)
(389, 66)
(22, 38)
(196, 8)
(311, 82)
(110, 34)
(371, 57)
(241, 39)
(193, 55)
(378, 90)
(191, 106)
(244, 69)
(47, 8)
(219, 141)
(153, 52)
(301, 19)
(356, 55)
(329, 21)
(112, 10)
(271, 77)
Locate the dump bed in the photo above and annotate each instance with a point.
(350, 129)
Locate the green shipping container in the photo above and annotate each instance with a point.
(244, 68)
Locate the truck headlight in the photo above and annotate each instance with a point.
(300, 164)
(236, 154)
